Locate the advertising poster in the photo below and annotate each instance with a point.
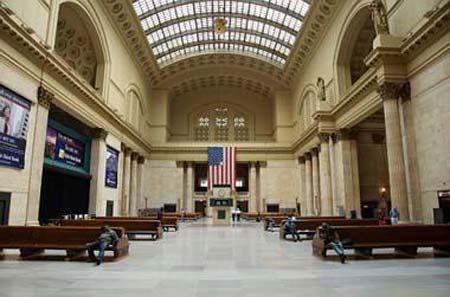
(14, 113)
(64, 149)
(112, 161)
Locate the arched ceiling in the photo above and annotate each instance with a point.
(264, 29)
(244, 56)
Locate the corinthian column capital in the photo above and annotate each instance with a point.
(45, 97)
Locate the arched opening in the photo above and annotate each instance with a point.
(355, 45)
(78, 44)
(134, 109)
(306, 110)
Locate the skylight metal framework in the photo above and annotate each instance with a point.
(266, 29)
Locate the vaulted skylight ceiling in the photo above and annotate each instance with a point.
(266, 29)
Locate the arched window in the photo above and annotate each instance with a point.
(306, 111)
(221, 124)
(77, 43)
(354, 46)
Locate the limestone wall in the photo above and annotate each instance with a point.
(430, 89)
(163, 183)
(279, 182)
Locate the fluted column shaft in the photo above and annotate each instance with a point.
(190, 187)
(126, 180)
(252, 185)
(315, 181)
(140, 182)
(309, 186)
(133, 185)
(302, 186)
(390, 93)
(325, 177)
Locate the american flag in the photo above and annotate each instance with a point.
(222, 166)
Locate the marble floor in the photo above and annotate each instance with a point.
(243, 260)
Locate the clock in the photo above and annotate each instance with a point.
(221, 193)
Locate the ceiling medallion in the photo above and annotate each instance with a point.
(220, 26)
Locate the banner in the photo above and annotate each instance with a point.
(112, 161)
(64, 149)
(14, 113)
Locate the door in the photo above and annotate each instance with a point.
(444, 204)
(109, 208)
(242, 205)
(4, 208)
(200, 207)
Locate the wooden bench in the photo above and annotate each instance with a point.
(405, 239)
(278, 220)
(308, 226)
(166, 222)
(187, 216)
(34, 240)
(132, 227)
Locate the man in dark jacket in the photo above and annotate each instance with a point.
(291, 228)
(107, 237)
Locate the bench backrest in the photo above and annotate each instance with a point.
(392, 234)
(45, 235)
(314, 224)
(129, 225)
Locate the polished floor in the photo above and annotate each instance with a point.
(202, 260)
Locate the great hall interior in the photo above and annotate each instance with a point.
(194, 128)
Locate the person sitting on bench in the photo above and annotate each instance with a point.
(107, 237)
(332, 239)
(290, 228)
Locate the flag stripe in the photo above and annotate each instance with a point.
(221, 166)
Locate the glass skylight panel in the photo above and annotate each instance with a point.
(252, 26)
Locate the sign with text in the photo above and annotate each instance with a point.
(112, 163)
(64, 149)
(14, 114)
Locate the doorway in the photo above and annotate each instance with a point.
(200, 207)
(242, 205)
(62, 193)
(444, 204)
(4, 207)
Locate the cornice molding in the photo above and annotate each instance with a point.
(320, 15)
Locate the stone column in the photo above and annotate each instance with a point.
(356, 201)
(315, 181)
(140, 182)
(332, 172)
(190, 187)
(252, 185)
(309, 186)
(97, 201)
(126, 180)
(410, 153)
(133, 185)
(258, 188)
(302, 186)
(390, 93)
(37, 158)
(325, 176)
(345, 184)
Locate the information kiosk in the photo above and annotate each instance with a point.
(221, 203)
